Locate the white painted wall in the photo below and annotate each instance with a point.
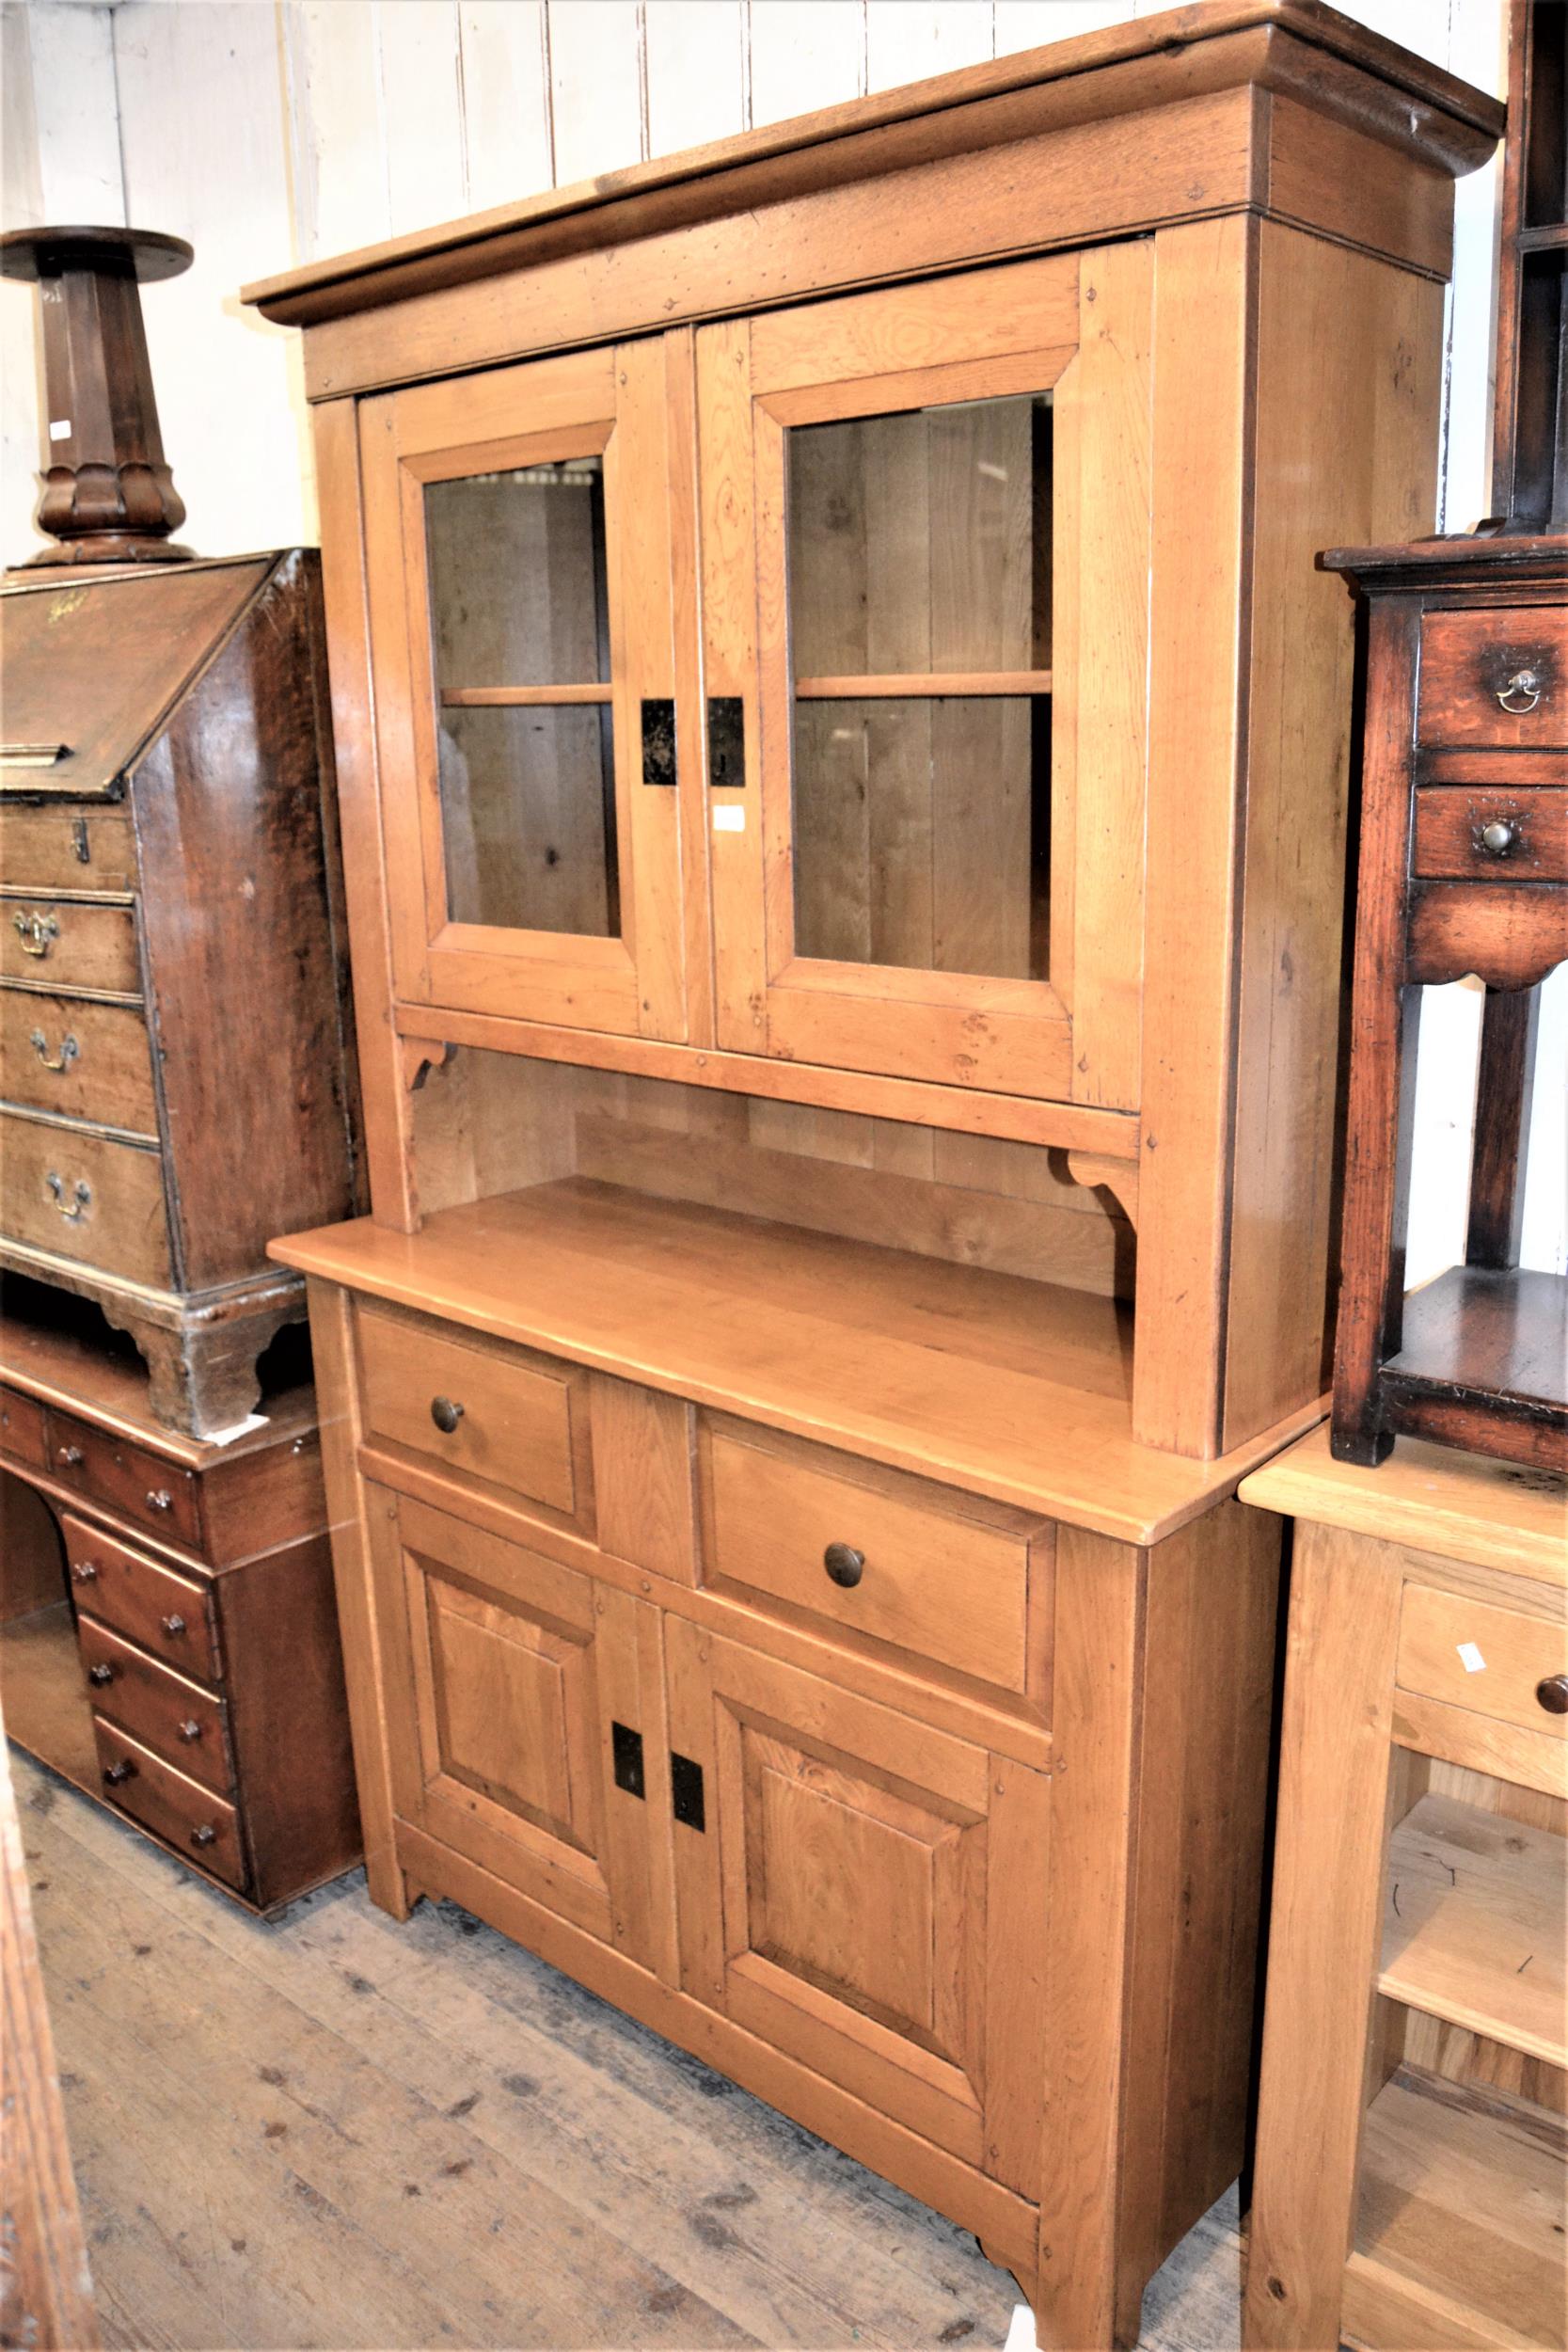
(271, 130)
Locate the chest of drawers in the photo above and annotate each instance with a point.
(167, 1636)
(176, 1080)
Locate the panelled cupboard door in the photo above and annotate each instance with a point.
(868, 1895)
(926, 518)
(517, 542)
(506, 1675)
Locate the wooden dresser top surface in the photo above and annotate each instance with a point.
(1461, 1506)
(1008, 1387)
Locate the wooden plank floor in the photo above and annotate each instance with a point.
(336, 2132)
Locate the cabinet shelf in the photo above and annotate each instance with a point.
(1014, 1388)
(520, 697)
(1459, 2241)
(922, 685)
(1472, 1928)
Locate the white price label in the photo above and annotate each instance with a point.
(1471, 1658)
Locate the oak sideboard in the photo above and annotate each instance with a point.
(843, 755)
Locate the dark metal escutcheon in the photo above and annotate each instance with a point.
(659, 743)
(726, 742)
(845, 1564)
(626, 1747)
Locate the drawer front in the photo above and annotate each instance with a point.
(83, 1196)
(161, 1496)
(175, 1717)
(61, 848)
(516, 1419)
(78, 1059)
(200, 1826)
(68, 945)
(1492, 835)
(170, 1614)
(22, 1431)
(1494, 677)
(918, 1574)
(1495, 1662)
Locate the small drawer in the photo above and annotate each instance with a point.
(62, 848)
(514, 1418)
(67, 943)
(1491, 835)
(923, 1569)
(1495, 1661)
(171, 1615)
(159, 1495)
(199, 1827)
(175, 1717)
(23, 1433)
(80, 1195)
(1496, 678)
(77, 1059)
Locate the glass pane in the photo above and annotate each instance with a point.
(516, 562)
(922, 541)
(528, 806)
(922, 832)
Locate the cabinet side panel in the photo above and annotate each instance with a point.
(1345, 453)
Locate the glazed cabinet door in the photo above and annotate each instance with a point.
(926, 577)
(518, 581)
(864, 1893)
(514, 1689)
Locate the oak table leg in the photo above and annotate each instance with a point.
(1322, 1947)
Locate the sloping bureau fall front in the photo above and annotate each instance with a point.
(842, 750)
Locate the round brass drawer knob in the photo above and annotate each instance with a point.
(101, 1674)
(173, 1627)
(85, 1571)
(1498, 837)
(445, 1414)
(203, 1834)
(117, 1774)
(845, 1564)
(159, 1499)
(69, 1457)
(1553, 1694)
(190, 1728)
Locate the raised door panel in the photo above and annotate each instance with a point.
(518, 557)
(926, 565)
(866, 1895)
(506, 1677)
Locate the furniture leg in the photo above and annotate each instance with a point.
(1507, 1033)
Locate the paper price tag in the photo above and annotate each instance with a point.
(1471, 1658)
(729, 819)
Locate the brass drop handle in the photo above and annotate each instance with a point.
(68, 1052)
(190, 1728)
(1553, 1694)
(445, 1414)
(101, 1674)
(1521, 692)
(159, 1499)
(1499, 836)
(117, 1774)
(70, 1457)
(85, 1571)
(173, 1627)
(81, 1196)
(845, 1564)
(203, 1834)
(37, 932)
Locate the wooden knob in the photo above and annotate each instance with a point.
(845, 1564)
(1553, 1694)
(101, 1674)
(445, 1414)
(115, 1773)
(173, 1627)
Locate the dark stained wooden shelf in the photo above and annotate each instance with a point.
(1502, 1332)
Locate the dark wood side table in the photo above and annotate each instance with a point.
(1464, 868)
(168, 1640)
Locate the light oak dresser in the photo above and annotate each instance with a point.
(842, 756)
(1412, 2138)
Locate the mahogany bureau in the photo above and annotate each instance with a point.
(167, 1636)
(843, 768)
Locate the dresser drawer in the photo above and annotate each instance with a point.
(1495, 1661)
(183, 1723)
(85, 1197)
(127, 1478)
(23, 1433)
(1491, 834)
(197, 1825)
(61, 848)
(502, 1414)
(168, 1613)
(77, 1059)
(69, 943)
(1494, 677)
(875, 1554)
